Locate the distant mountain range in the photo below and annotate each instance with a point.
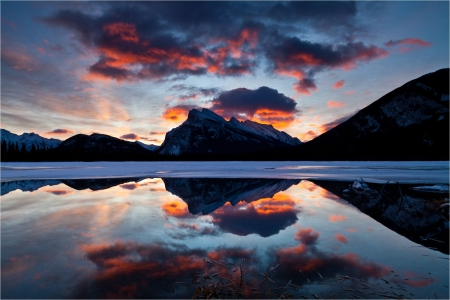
(100, 147)
(409, 123)
(29, 139)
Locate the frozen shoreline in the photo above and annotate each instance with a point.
(436, 172)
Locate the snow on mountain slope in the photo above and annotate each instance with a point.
(265, 131)
(29, 139)
(205, 132)
(148, 147)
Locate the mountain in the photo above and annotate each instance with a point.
(205, 132)
(99, 147)
(150, 147)
(29, 139)
(409, 123)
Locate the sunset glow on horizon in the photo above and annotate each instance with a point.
(133, 70)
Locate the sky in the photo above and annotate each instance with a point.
(133, 70)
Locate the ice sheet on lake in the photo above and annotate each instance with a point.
(380, 172)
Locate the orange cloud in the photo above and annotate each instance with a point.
(337, 218)
(276, 118)
(307, 136)
(341, 238)
(177, 113)
(339, 84)
(335, 104)
(352, 230)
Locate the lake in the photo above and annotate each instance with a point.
(174, 237)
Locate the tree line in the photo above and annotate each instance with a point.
(18, 152)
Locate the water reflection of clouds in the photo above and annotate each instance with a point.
(177, 209)
(96, 239)
(57, 191)
(337, 218)
(128, 269)
(264, 217)
(310, 260)
(186, 230)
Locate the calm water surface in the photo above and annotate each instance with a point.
(150, 238)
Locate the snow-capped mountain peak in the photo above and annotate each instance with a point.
(205, 132)
(29, 139)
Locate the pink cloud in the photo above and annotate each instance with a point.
(408, 41)
(339, 84)
(335, 104)
(341, 238)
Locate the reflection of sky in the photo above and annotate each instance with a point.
(136, 239)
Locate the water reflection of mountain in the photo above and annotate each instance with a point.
(26, 185)
(400, 209)
(243, 215)
(97, 184)
(208, 194)
(77, 184)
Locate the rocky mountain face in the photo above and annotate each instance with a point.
(205, 132)
(100, 147)
(205, 195)
(411, 122)
(29, 139)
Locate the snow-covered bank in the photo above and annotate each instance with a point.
(404, 172)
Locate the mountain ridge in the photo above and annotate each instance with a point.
(205, 132)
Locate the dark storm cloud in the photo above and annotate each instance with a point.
(159, 40)
(60, 131)
(301, 59)
(305, 86)
(130, 136)
(193, 92)
(240, 101)
(324, 14)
